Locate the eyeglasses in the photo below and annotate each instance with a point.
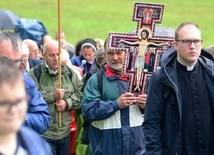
(186, 42)
(7, 105)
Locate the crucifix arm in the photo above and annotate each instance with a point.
(128, 42)
(166, 43)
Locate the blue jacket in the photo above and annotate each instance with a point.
(163, 116)
(32, 142)
(113, 131)
(37, 116)
(77, 61)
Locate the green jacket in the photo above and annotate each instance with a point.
(48, 81)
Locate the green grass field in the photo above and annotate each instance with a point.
(96, 18)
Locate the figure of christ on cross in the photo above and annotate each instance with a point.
(143, 43)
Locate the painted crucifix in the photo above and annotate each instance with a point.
(143, 48)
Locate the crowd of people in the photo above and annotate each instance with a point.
(40, 101)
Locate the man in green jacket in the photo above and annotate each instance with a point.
(58, 99)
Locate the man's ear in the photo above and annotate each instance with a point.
(175, 44)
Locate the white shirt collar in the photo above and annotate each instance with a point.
(56, 71)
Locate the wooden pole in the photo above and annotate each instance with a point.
(59, 68)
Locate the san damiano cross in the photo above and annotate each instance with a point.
(143, 49)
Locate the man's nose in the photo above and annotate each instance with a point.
(192, 44)
(115, 56)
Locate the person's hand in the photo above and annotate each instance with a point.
(58, 93)
(167, 43)
(141, 100)
(126, 99)
(61, 105)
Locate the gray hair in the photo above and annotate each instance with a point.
(13, 38)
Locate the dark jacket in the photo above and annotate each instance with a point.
(163, 114)
(37, 116)
(171, 52)
(32, 142)
(34, 62)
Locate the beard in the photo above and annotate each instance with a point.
(116, 66)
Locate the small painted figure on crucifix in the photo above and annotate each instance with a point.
(147, 15)
(144, 34)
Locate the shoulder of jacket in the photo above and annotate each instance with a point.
(76, 60)
(29, 83)
(31, 140)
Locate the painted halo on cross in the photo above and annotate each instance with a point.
(144, 28)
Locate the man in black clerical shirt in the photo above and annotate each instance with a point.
(178, 114)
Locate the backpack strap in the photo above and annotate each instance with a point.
(37, 71)
(86, 125)
(100, 73)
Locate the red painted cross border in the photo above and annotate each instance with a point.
(143, 49)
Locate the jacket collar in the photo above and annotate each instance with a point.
(172, 53)
(170, 68)
(111, 75)
(51, 72)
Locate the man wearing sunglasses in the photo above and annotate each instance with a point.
(179, 109)
(37, 116)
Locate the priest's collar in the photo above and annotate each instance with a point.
(189, 68)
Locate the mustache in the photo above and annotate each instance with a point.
(118, 61)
